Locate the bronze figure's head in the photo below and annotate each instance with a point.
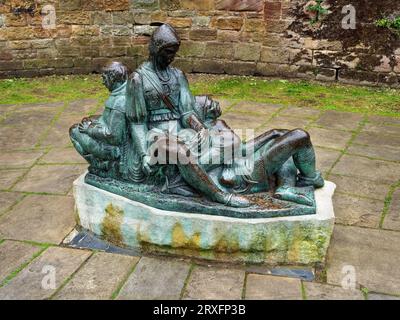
(164, 45)
(114, 74)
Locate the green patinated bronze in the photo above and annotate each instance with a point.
(157, 144)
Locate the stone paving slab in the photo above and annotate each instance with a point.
(28, 284)
(360, 187)
(13, 254)
(377, 296)
(39, 116)
(214, 284)
(58, 136)
(98, 278)
(64, 155)
(83, 106)
(19, 159)
(10, 176)
(7, 199)
(355, 211)
(375, 151)
(384, 120)
(339, 120)
(374, 139)
(326, 158)
(281, 122)
(18, 138)
(39, 218)
(319, 291)
(155, 279)
(297, 113)
(334, 139)
(264, 287)
(375, 170)
(392, 219)
(249, 107)
(374, 255)
(381, 129)
(244, 121)
(50, 179)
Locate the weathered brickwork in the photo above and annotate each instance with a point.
(252, 37)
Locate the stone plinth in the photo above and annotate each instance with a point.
(285, 240)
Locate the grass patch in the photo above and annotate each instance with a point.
(330, 96)
(300, 93)
(51, 89)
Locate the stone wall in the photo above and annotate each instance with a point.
(248, 37)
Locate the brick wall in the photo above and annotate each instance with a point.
(248, 37)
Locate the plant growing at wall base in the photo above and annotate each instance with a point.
(317, 10)
(391, 23)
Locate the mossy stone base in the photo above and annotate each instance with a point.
(297, 240)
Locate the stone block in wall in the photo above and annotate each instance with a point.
(180, 22)
(19, 45)
(11, 65)
(64, 31)
(273, 10)
(247, 51)
(228, 36)
(273, 40)
(254, 25)
(123, 18)
(325, 58)
(119, 41)
(239, 5)
(74, 17)
(275, 55)
(6, 55)
(93, 5)
(24, 54)
(12, 20)
(143, 30)
(139, 50)
(277, 26)
(276, 70)
(17, 33)
(113, 51)
(169, 5)
(325, 74)
(142, 18)
(100, 18)
(159, 16)
(219, 50)
(397, 65)
(90, 52)
(184, 64)
(241, 68)
(182, 13)
(42, 43)
(79, 31)
(385, 65)
(390, 79)
(300, 57)
(145, 4)
(71, 5)
(209, 66)
(201, 5)
(203, 34)
(358, 77)
(116, 5)
(229, 23)
(192, 49)
(201, 21)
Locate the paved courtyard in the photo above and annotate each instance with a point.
(361, 154)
